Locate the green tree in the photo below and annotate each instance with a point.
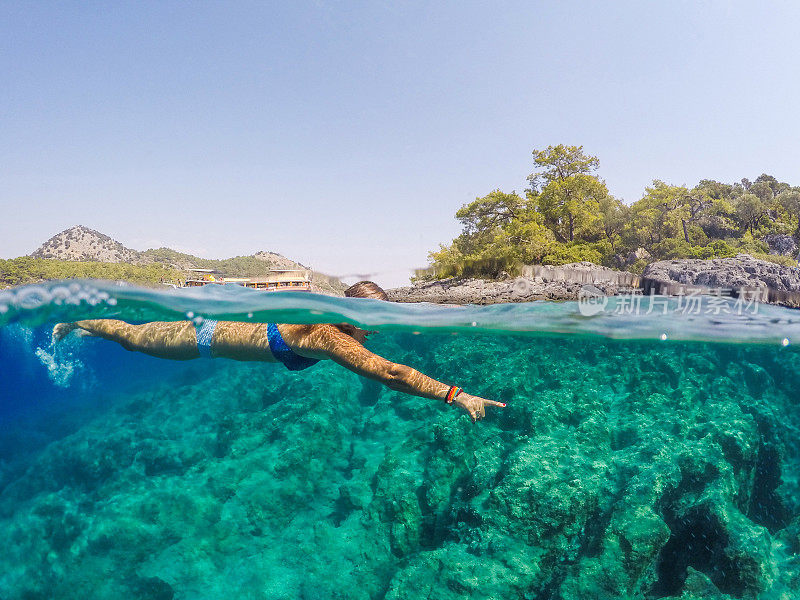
(763, 190)
(718, 219)
(500, 232)
(497, 209)
(789, 203)
(566, 193)
(750, 209)
(568, 215)
(657, 216)
(694, 208)
(615, 214)
(775, 186)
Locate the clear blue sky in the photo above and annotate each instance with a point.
(346, 134)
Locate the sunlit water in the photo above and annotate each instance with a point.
(649, 449)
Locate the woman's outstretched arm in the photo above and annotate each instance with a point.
(175, 340)
(327, 341)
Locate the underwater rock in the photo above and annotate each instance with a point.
(636, 471)
(699, 587)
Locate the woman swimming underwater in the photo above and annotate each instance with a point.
(296, 346)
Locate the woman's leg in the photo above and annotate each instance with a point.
(176, 340)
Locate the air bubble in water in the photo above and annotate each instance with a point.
(60, 369)
(198, 320)
(32, 298)
(60, 294)
(474, 324)
(190, 315)
(73, 297)
(663, 337)
(249, 315)
(785, 342)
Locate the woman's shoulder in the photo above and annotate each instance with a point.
(316, 335)
(298, 333)
(313, 340)
(304, 328)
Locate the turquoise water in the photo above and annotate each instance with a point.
(649, 449)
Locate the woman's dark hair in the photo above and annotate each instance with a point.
(366, 289)
(362, 289)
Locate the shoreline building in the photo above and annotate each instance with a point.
(283, 280)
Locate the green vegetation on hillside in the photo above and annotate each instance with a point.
(25, 269)
(238, 266)
(167, 267)
(567, 215)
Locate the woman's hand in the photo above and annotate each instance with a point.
(475, 405)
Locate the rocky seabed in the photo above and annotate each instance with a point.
(616, 471)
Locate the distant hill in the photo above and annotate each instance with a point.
(83, 244)
(238, 266)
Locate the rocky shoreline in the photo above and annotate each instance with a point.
(740, 276)
(743, 275)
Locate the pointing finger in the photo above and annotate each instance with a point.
(493, 403)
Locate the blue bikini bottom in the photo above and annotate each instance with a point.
(280, 350)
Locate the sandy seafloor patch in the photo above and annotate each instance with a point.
(618, 470)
